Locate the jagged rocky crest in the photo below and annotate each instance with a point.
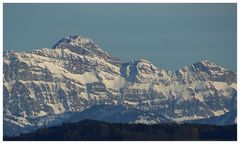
(76, 78)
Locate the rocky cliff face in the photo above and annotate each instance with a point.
(77, 74)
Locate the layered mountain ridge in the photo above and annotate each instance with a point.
(76, 76)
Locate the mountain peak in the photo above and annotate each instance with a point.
(80, 45)
(207, 65)
(84, 46)
(75, 40)
(143, 61)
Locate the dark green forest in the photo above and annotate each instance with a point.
(92, 130)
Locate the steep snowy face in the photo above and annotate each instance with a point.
(53, 81)
(84, 46)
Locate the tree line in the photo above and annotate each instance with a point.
(92, 130)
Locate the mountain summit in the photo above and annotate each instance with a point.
(78, 44)
(46, 87)
(84, 46)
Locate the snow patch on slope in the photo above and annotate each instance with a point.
(117, 83)
(57, 108)
(223, 85)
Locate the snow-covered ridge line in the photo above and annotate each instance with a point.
(56, 52)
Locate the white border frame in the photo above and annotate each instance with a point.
(113, 1)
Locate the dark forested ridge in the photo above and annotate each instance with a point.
(92, 130)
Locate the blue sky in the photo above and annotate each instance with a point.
(169, 35)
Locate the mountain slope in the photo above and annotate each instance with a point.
(76, 74)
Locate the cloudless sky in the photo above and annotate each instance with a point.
(169, 35)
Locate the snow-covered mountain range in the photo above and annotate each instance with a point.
(76, 79)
